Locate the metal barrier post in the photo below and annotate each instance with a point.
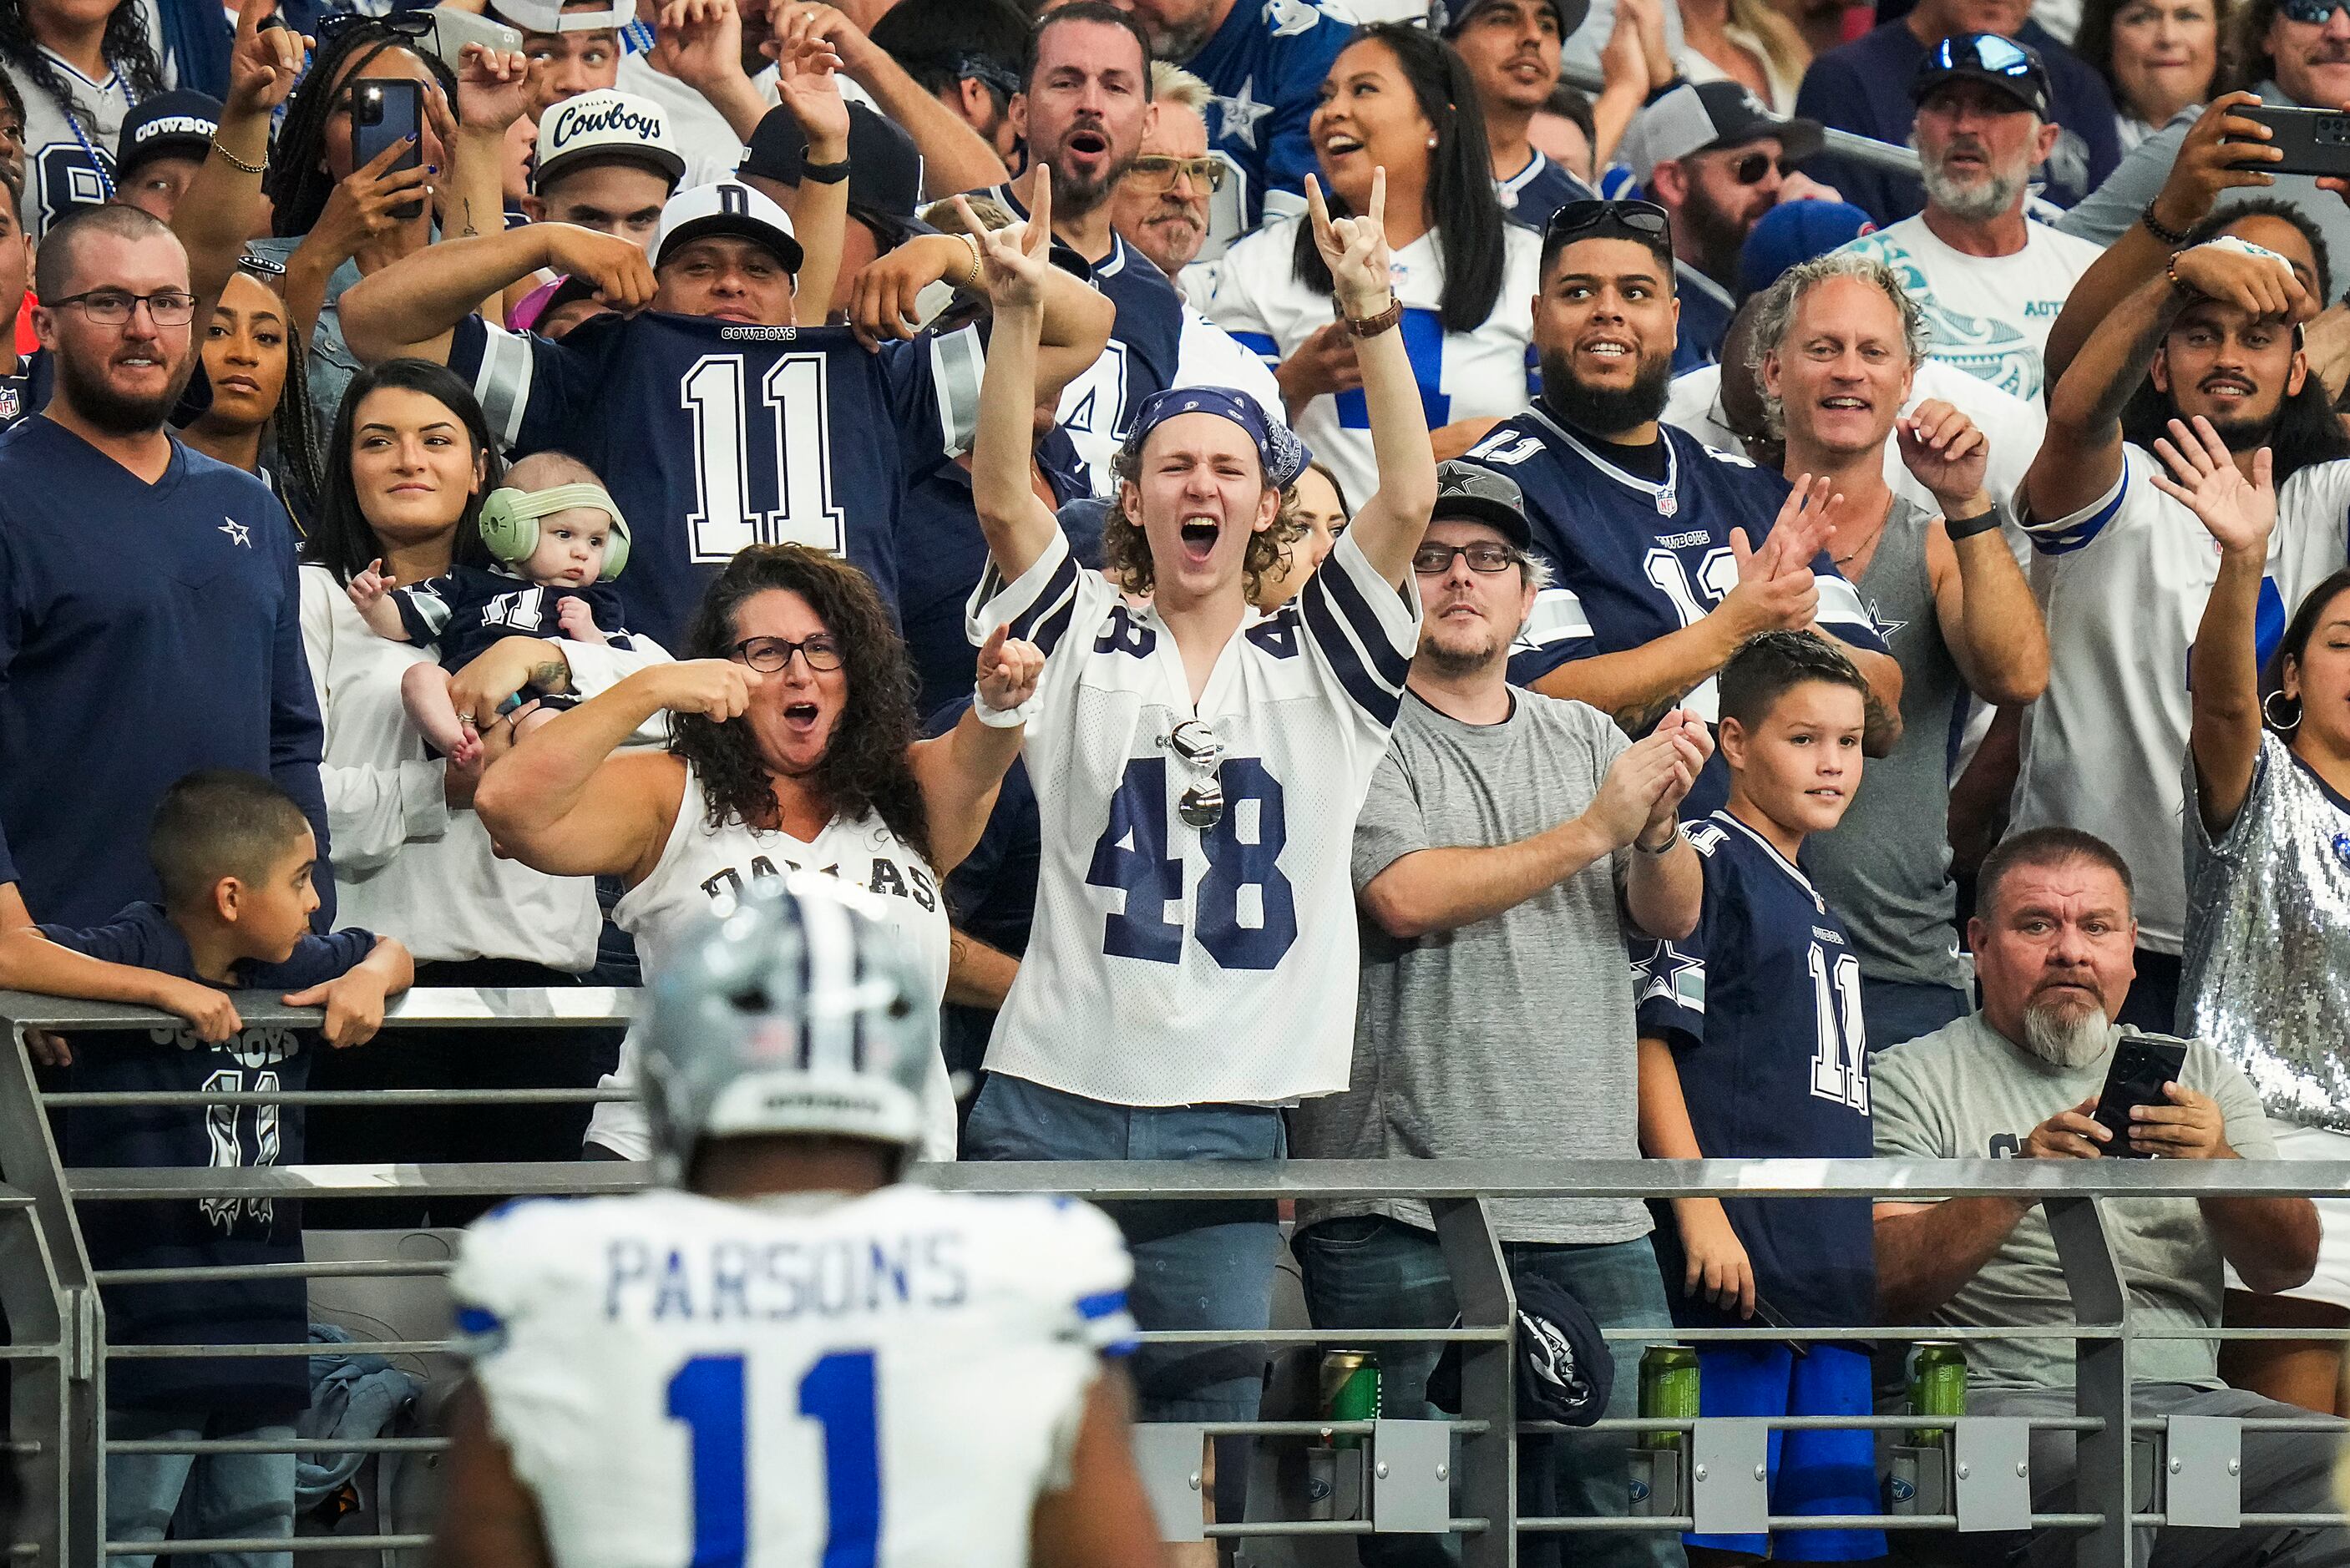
(44, 1288)
(2101, 1383)
(1489, 1391)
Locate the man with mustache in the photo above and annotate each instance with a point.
(2019, 1079)
(1992, 281)
(1162, 206)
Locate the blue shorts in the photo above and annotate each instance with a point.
(1812, 1471)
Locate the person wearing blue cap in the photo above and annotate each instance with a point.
(1796, 232)
(1197, 767)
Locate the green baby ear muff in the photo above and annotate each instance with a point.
(509, 522)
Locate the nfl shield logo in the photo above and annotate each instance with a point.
(1668, 503)
(8, 402)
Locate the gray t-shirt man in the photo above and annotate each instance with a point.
(1511, 1036)
(1965, 1092)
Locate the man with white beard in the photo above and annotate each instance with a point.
(2019, 1079)
(1990, 280)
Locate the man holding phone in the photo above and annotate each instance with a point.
(2027, 1077)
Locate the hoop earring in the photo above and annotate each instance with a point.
(2268, 712)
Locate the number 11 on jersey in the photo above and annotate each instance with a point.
(708, 1395)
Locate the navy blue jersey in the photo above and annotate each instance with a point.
(467, 608)
(1144, 351)
(945, 555)
(26, 392)
(1539, 189)
(716, 434)
(1706, 310)
(205, 1232)
(1265, 65)
(1634, 559)
(1762, 1007)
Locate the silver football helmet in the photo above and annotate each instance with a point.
(799, 1010)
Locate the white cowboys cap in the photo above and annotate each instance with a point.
(549, 17)
(602, 127)
(728, 207)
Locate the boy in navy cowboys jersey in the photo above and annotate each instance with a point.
(1752, 1047)
(234, 856)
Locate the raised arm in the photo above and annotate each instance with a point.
(954, 156)
(1014, 266)
(222, 204)
(807, 82)
(409, 309)
(1388, 525)
(2223, 673)
(961, 770)
(1982, 604)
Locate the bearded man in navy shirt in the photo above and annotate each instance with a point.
(149, 613)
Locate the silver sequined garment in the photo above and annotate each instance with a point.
(2266, 973)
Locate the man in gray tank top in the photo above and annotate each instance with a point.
(1838, 342)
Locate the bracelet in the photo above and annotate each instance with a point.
(977, 271)
(824, 174)
(1372, 325)
(1967, 527)
(2154, 226)
(1667, 848)
(1005, 717)
(239, 164)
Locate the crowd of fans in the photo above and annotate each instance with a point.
(1345, 596)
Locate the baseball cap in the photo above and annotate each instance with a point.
(1694, 116)
(170, 124)
(728, 207)
(1468, 494)
(2015, 69)
(884, 169)
(1793, 233)
(1449, 16)
(549, 17)
(604, 125)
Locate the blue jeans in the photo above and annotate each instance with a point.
(1895, 1011)
(1197, 1265)
(214, 1496)
(1371, 1272)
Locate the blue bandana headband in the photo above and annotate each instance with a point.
(1282, 455)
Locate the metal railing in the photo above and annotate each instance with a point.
(1457, 1475)
(1848, 145)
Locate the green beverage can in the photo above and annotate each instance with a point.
(1669, 1391)
(1350, 1391)
(1938, 1387)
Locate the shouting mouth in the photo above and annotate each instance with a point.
(1200, 534)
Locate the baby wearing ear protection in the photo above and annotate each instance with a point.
(559, 541)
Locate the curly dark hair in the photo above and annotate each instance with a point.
(865, 767)
(340, 537)
(298, 182)
(1125, 549)
(126, 46)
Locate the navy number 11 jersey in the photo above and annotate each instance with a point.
(713, 435)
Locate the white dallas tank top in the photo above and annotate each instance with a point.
(701, 869)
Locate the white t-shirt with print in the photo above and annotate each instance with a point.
(1989, 315)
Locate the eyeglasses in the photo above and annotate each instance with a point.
(1198, 747)
(1434, 560)
(1159, 173)
(1643, 220)
(1989, 52)
(112, 306)
(1749, 170)
(767, 655)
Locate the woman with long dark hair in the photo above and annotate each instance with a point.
(409, 462)
(82, 65)
(793, 743)
(256, 395)
(1397, 98)
(2266, 971)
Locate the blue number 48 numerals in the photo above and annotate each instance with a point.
(707, 1394)
(1133, 856)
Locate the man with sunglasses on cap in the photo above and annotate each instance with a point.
(1991, 281)
(1668, 554)
(1506, 839)
(1715, 160)
(1512, 50)
(1865, 86)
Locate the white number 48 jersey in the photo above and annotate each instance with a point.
(888, 1381)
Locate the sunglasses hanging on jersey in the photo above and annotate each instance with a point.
(1200, 749)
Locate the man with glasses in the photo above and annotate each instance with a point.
(1506, 839)
(1162, 206)
(1864, 87)
(1992, 280)
(1668, 554)
(1715, 160)
(150, 621)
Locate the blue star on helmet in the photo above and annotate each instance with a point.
(1236, 117)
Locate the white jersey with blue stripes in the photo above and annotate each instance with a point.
(798, 1381)
(1175, 963)
(2124, 581)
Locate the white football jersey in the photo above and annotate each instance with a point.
(1172, 964)
(2123, 582)
(804, 1381)
(1484, 373)
(700, 871)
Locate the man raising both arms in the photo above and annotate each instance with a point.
(1198, 768)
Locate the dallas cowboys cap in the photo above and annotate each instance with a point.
(1468, 494)
(550, 17)
(605, 127)
(1697, 117)
(178, 124)
(728, 207)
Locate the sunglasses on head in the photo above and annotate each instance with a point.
(401, 23)
(1983, 51)
(1643, 220)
